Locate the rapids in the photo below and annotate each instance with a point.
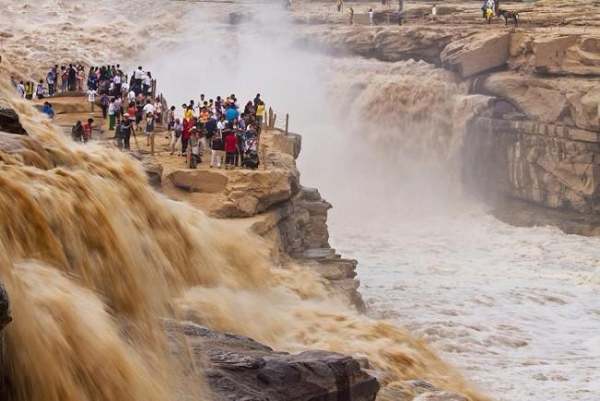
(517, 308)
(93, 258)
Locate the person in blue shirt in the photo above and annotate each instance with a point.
(48, 110)
(231, 114)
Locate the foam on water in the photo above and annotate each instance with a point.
(517, 308)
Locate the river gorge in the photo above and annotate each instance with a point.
(429, 139)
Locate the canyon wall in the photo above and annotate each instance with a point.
(533, 151)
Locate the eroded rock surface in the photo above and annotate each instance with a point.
(239, 368)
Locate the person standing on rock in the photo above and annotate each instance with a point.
(51, 81)
(104, 103)
(340, 6)
(149, 131)
(231, 147)
(351, 16)
(217, 150)
(91, 98)
(21, 89)
(176, 135)
(124, 131)
(39, 91)
(370, 13)
(71, 78)
(111, 114)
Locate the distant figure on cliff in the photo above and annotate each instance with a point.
(351, 16)
(21, 89)
(340, 6)
(370, 13)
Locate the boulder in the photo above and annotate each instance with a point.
(477, 53)
(556, 53)
(570, 101)
(192, 180)
(154, 171)
(239, 368)
(9, 122)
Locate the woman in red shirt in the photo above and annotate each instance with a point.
(231, 148)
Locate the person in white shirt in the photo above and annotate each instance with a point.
(92, 97)
(124, 89)
(149, 108)
(21, 89)
(370, 16)
(147, 83)
(138, 77)
(131, 96)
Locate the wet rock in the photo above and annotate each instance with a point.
(154, 171)
(477, 53)
(239, 368)
(9, 122)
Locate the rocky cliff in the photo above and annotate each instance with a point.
(533, 151)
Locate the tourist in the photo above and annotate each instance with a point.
(118, 105)
(176, 135)
(71, 78)
(351, 16)
(194, 148)
(231, 148)
(29, 89)
(77, 132)
(158, 111)
(340, 6)
(260, 112)
(370, 16)
(80, 78)
(104, 103)
(39, 91)
(138, 78)
(149, 131)
(21, 89)
(51, 81)
(92, 98)
(87, 130)
(124, 131)
(217, 150)
(188, 123)
(170, 119)
(111, 114)
(231, 114)
(147, 83)
(189, 111)
(48, 110)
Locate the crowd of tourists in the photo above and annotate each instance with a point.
(219, 127)
(220, 130)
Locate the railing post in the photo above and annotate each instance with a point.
(287, 122)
